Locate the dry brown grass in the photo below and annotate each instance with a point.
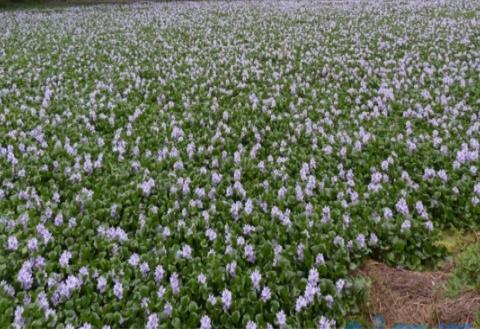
(403, 296)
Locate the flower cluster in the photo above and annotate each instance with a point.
(228, 164)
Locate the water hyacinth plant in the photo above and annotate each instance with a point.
(227, 164)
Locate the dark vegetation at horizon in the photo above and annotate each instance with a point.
(21, 4)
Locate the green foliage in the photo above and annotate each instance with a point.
(466, 274)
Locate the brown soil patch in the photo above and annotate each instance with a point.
(403, 296)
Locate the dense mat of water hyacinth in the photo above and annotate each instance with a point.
(227, 165)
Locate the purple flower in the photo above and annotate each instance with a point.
(442, 174)
(168, 309)
(256, 277)
(159, 273)
(402, 207)
(147, 186)
(212, 300)
(251, 325)
(476, 189)
(205, 322)
(19, 321)
(175, 283)
(387, 213)
(249, 253)
(177, 133)
(266, 294)
(429, 174)
(12, 243)
(101, 284)
(339, 285)
(248, 207)
(325, 323)
(201, 278)
(185, 252)
(25, 275)
(65, 258)
(231, 268)
(406, 225)
(360, 240)
(311, 290)
(226, 299)
(313, 276)
(300, 304)
(152, 322)
(118, 290)
(161, 292)
(281, 318)
(319, 259)
(144, 268)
